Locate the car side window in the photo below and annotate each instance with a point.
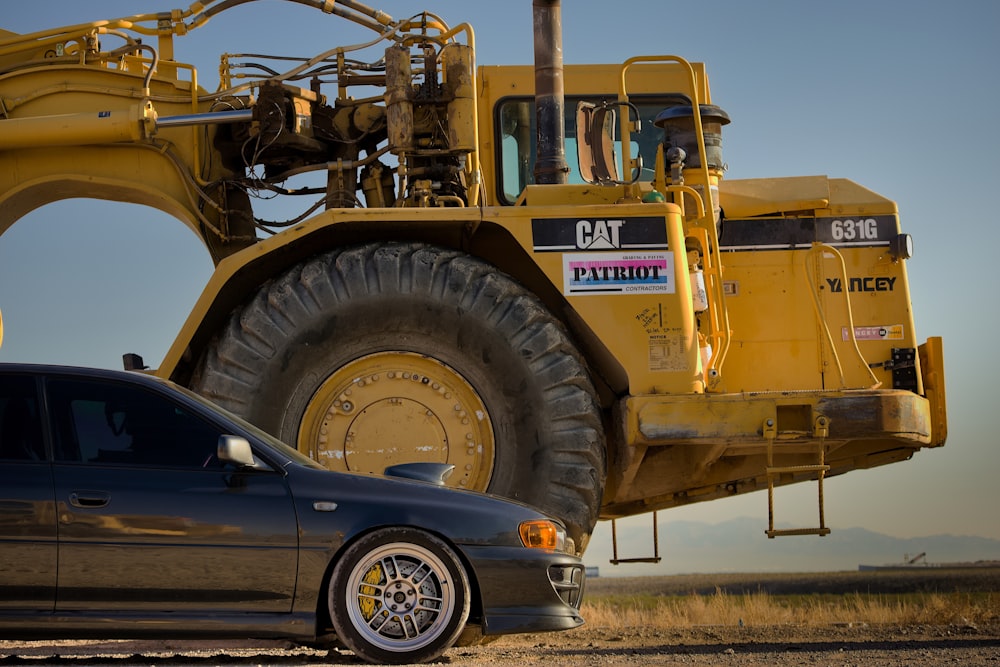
(103, 422)
(20, 424)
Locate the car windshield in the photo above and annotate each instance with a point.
(275, 444)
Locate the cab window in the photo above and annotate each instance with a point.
(516, 127)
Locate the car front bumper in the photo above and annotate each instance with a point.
(527, 590)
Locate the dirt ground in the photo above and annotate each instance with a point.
(721, 646)
(841, 645)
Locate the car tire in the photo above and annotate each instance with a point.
(470, 333)
(398, 596)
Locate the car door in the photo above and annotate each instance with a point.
(27, 501)
(150, 519)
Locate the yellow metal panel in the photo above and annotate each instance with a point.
(652, 335)
(683, 449)
(932, 365)
(559, 195)
(750, 197)
(850, 198)
(36, 172)
(589, 79)
(774, 341)
(793, 311)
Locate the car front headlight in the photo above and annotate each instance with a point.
(543, 534)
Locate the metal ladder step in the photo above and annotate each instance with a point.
(821, 429)
(655, 558)
(788, 532)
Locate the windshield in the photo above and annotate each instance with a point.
(516, 127)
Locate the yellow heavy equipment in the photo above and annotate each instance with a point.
(601, 336)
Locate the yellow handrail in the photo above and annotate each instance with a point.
(821, 248)
(719, 318)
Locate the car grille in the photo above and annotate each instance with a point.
(568, 582)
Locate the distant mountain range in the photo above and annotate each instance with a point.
(740, 545)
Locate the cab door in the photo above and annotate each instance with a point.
(149, 518)
(27, 502)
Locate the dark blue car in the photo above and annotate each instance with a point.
(130, 507)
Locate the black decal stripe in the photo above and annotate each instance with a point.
(553, 234)
(800, 233)
(635, 233)
(799, 246)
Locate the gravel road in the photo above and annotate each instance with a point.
(780, 646)
(842, 645)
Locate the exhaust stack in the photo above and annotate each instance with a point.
(550, 163)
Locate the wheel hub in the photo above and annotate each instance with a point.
(400, 598)
(399, 407)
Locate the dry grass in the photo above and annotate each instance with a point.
(633, 603)
(765, 609)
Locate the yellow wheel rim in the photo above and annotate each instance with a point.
(399, 407)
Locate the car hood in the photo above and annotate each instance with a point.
(365, 500)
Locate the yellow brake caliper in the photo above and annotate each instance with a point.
(367, 595)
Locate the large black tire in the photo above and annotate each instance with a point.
(399, 596)
(442, 317)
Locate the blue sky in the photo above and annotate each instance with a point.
(898, 95)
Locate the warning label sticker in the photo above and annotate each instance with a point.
(666, 353)
(888, 332)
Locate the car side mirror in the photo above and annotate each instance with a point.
(236, 450)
